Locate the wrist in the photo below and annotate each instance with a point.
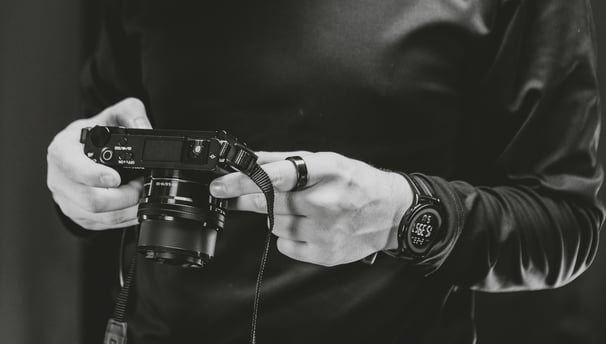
(400, 201)
(421, 225)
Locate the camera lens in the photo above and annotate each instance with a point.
(179, 219)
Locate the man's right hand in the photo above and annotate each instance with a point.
(89, 193)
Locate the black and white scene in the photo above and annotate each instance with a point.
(302, 172)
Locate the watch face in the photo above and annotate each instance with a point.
(423, 229)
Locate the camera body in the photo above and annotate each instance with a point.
(178, 217)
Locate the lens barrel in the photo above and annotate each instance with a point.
(179, 219)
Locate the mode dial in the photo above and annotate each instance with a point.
(99, 136)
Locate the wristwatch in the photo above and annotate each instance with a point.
(421, 225)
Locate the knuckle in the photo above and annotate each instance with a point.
(331, 155)
(286, 248)
(259, 202)
(133, 102)
(94, 203)
(335, 158)
(282, 246)
(315, 199)
(51, 183)
(278, 179)
(341, 166)
(133, 105)
(67, 210)
(52, 151)
(326, 201)
(56, 153)
(329, 260)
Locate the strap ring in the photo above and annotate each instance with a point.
(301, 168)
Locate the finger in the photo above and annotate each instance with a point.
(100, 226)
(295, 228)
(267, 157)
(308, 253)
(129, 113)
(285, 203)
(100, 200)
(296, 250)
(97, 221)
(282, 174)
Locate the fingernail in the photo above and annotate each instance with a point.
(109, 180)
(142, 123)
(217, 189)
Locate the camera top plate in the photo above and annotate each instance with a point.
(140, 149)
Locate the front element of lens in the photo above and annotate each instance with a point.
(179, 219)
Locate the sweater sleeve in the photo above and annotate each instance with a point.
(536, 226)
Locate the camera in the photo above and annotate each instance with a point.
(178, 218)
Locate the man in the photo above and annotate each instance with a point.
(493, 103)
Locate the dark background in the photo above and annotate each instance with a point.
(42, 47)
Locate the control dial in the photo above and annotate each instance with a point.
(99, 136)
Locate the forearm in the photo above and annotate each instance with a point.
(517, 237)
(534, 220)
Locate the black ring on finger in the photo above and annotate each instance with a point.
(301, 168)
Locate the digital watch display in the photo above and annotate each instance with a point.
(423, 227)
(420, 226)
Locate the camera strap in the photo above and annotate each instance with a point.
(116, 330)
(262, 180)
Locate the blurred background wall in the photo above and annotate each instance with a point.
(44, 290)
(40, 55)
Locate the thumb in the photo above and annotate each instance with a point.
(129, 113)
